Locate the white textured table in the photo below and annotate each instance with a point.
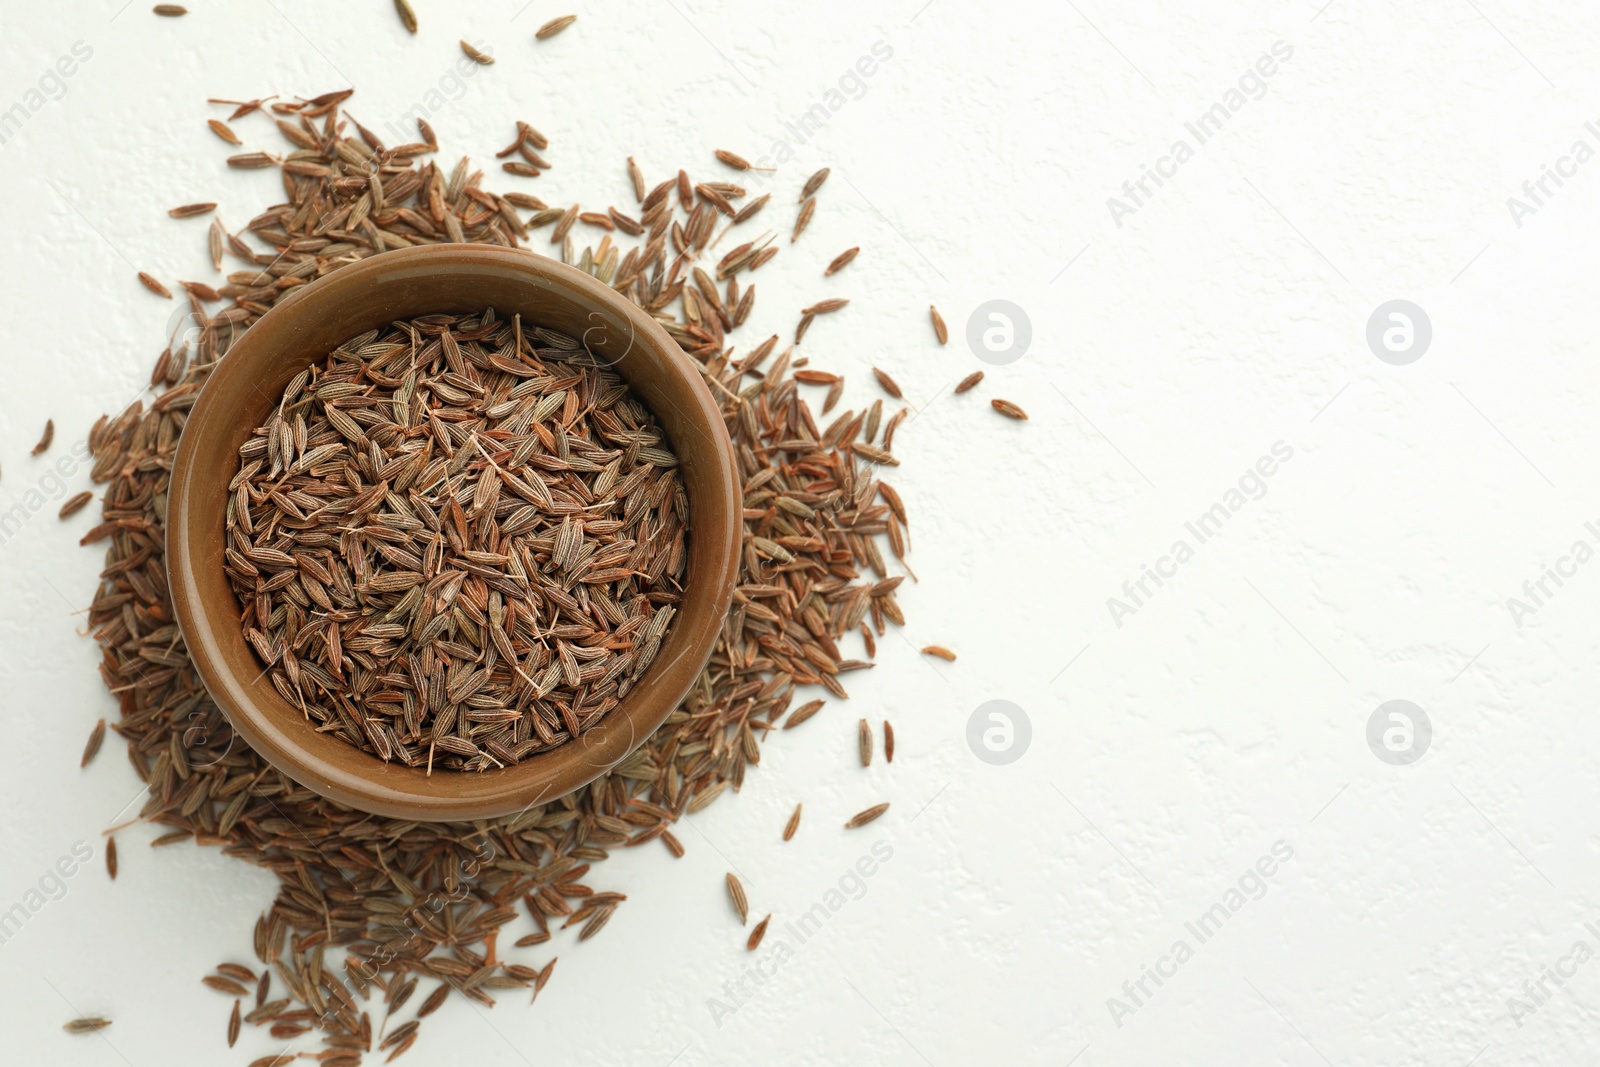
(1198, 799)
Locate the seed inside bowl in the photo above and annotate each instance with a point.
(457, 542)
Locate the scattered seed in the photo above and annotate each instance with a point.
(170, 11)
(189, 211)
(1008, 409)
(802, 713)
(969, 381)
(111, 857)
(481, 58)
(757, 934)
(888, 385)
(864, 742)
(736, 894)
(863, 817)
(92, 748)
(233, 1025)
(823, 307)
(225, 985)
(940, 651)
(939, 329)
(735, 161)
(793, 824)
(221, 130)
(86, 1025)
(75, 504)
(841, 261)
(814, 183)
(408, 19)
(45, 439)
(553, 27)
(888, 742)
(636, 176)
(154, 286)
(807, 209)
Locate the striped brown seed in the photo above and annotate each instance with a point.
(861, 818)
(888, 741)
(754, 941)
(940, 651)
(842, 260)
(45, 438)
(969, 381)
(111, 858)
(86, 1025)
(889, 385)
(221, 130)
(793, 824)
(807, 209)
(154, 286)
(408, 19)
(170, 11)
(1008, 409)
(92, 748)
(189, 211)
(736, 894)
(864, 742)
(553, 27)
(802, 713)
(477, 55)
(75, 504)
(814, 183)
(939, 329)
(737, 162)
(234, 1020)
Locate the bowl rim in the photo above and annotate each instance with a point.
(390, 789)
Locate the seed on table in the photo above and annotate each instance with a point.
(802, 713)
(225, 985)
(736, 894)
(940, 651)
(939, 329)
(793, 824)
(863, 817)
(170, 11)
(823, 307)
(1008, 409)
(233, 1025)
(814, 183)
(889, 385)
(154, 286)
(553, 27)
(757, 934)
(408, 18)
(86, 1025)
(888, 741)
(483, 59)
(111, 857)
(75, 504)
(807, 209)
(864, 742)
(841, 261)
(45, 438)
(189, 211)
(969, 381)
(737, 162)
(96, 736)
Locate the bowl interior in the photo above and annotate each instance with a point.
(302, 329)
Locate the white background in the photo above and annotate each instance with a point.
(1168, 354)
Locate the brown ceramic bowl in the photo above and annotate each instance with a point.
(303, 328)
